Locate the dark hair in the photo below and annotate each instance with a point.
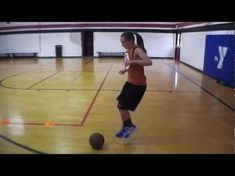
(130, 37)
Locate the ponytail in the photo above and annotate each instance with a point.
(140, 41)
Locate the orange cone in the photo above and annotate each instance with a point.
(49, 124)
(4, 121)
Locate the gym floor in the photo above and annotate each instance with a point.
(53, 106)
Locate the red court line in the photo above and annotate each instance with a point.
(84, 117)
(69, 125)
(93, 101)
(42, 124)
(26, 123)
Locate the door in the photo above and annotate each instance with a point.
(87, 43)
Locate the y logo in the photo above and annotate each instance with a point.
(222, 54)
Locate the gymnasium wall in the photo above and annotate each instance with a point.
(159, 44)
(41, 37)
(43, 44)
(107, 42)
(19, 43)
(71, 43)
(156, 44)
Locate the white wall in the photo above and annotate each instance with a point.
(5, 24)
(43, 44)
(156, 44)
(19, 43)
(71, 44)
(159, 44)
(193, 47)
(107, 42)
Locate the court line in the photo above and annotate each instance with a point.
(20, 74)
(81, 72)
(207, 91)
(87, 62)
(93, 100)
(59, 124)
(75, 77)
(90, 106)
(20, 145)
(85, 115)
(15, 75)
(58, 89)
(151, 90)
(1, 81)
(42, 80)
(42, 124)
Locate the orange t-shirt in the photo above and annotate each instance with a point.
(135, 71)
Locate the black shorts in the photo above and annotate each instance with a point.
(130, 96)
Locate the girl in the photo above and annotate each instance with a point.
(135, 86)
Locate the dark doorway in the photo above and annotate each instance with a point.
(87, 43)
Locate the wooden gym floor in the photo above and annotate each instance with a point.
(53, 105)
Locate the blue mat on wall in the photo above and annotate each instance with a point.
(219, 60)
